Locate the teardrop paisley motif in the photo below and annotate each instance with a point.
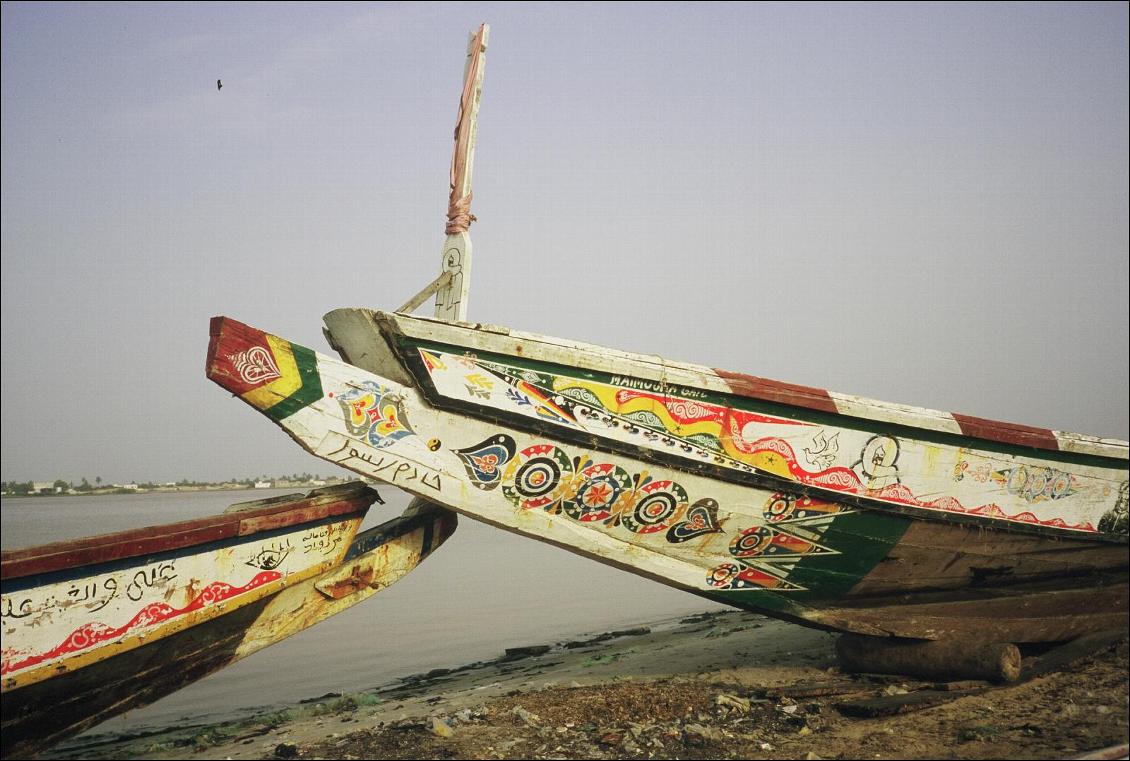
(702, 518)
(486, 461)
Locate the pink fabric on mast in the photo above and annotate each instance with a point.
(459, 216)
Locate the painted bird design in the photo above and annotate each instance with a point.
(825, 452)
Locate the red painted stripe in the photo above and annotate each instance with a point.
(92, 634)
(775, 391)
(1007, 433)
(228, 340)
(147, 541)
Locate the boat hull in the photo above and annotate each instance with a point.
(760, 542)
(47, 702)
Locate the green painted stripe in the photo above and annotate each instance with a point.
(309, 392)
(748, 404)
(864, 538)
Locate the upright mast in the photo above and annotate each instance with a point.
(455, 267)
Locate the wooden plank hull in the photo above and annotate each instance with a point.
(128, 666)
(750, 536)
(737, 428)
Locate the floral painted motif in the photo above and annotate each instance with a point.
(374, 412)
(605, 496)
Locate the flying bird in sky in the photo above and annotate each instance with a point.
(219, 85)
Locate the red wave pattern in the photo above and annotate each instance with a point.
(95, 633)
(845, 480)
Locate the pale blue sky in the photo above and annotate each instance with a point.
(920, 203)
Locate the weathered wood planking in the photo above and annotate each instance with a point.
(761, 541)
(732, 425)
(451, 298)
(40, 713)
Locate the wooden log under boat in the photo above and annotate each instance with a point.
(932, 659)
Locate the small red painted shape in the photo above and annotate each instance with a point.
(233, 346)
(776, 391)
(1007, 433)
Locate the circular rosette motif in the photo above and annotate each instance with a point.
(723, 576)
(763, 541)
(1038, 479)
(752, 542)
(599, 493)
(1060, 485)
(736, 576)
(540, 476)
(659, 505)
(782, 508)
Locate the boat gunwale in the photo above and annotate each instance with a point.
(351, 498)
(679, 374)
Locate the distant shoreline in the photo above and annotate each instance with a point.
(122, 491)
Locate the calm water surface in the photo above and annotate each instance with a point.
(482, 591)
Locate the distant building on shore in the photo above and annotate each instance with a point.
(262, 484)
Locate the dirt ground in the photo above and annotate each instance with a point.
(727, 685)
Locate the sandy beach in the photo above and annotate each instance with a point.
(716, 685)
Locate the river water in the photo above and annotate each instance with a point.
(482, 591)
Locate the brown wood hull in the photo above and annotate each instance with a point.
(42, 714)
(941, 580)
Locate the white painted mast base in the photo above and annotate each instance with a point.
(451, 301)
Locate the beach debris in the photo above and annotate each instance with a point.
(732, 703)
(610, 737)
(529, 719)
(286, 750)
(698, 735)
(320, 698)
(441, 728)
(637, 631)
(518, 653)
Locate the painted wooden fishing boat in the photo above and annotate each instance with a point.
(98, 626)
(869, 518)
(826, 509)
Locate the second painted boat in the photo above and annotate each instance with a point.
(95, 627)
